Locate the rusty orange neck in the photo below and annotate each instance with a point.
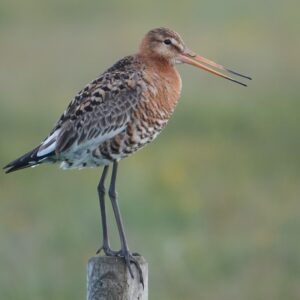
(164, 80)
(156, 62)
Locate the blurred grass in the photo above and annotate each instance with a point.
(213, 204)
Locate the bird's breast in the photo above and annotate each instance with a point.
(159, 98)
(162, 90)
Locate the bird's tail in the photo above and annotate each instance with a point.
(29, 159)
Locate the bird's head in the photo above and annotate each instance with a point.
(163, 44)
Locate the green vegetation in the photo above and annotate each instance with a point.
(213, 203)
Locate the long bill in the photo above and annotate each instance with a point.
(201, 62)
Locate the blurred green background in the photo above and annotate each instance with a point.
(213, 203)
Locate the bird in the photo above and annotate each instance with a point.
(118, 113)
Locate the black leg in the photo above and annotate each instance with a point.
(124, 252)
(101, 192)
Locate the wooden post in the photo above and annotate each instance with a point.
(109, 279)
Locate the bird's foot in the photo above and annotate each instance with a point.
(107, 251)
(130, 259)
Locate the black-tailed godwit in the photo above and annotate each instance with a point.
(119, 113)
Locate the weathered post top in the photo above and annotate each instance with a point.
(108, 278)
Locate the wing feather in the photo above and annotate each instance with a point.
(100, 111)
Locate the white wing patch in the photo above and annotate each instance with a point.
(49, 144)
(76, 149)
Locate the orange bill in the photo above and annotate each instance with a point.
(198, 61)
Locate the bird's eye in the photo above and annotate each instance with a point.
(167, 42)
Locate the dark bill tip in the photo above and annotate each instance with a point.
(238, 82)
(238, 74)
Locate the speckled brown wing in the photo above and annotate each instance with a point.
(99, 111)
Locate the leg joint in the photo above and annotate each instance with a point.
(101, 189)
(112, 194)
